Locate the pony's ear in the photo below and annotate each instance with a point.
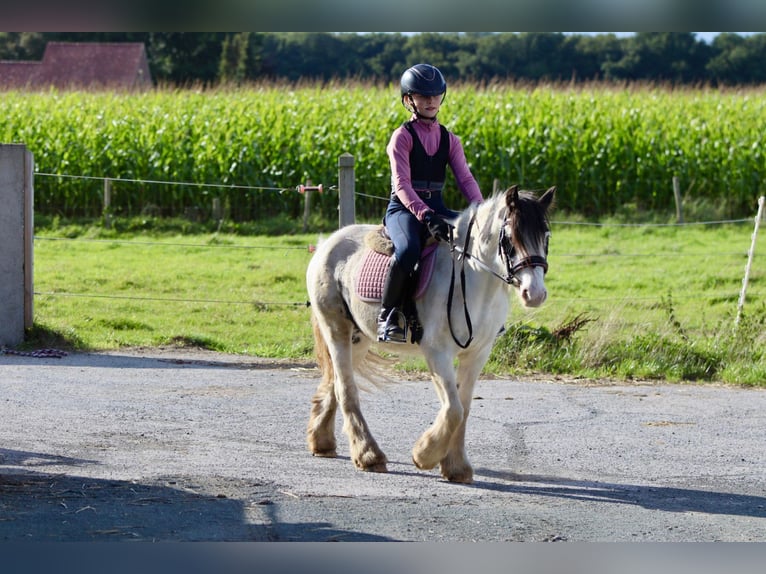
(546, 199)
(512, 197)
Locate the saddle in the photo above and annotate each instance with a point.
(374, 269)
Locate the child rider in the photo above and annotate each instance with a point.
(419, 152)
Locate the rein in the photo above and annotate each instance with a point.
(506, 250)
(463, 254)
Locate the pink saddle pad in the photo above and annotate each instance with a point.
(372, 274)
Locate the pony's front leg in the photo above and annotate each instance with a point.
(433, 445)
(455, 466)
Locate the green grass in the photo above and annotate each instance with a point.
(222, 292)
(624, 302)
(652, 302)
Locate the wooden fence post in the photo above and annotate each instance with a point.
(108, 203)
(346, 190)
(677, 195)
(306, 205)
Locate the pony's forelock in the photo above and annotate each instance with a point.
(535, 221)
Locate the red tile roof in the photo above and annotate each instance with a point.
(81, 65)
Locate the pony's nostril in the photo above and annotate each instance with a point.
(525, 294)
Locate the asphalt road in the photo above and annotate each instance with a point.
(180, 445)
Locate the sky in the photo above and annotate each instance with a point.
(706, 36)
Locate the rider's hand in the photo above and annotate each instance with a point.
(437, 226)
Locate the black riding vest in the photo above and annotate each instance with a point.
(428, 171)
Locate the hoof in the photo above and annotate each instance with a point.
(460, 478)
(372, 461)
(325, 453)
(457, 470)
(422, 466)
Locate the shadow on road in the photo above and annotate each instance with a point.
(41, 507)
(669, 499)
(30, 459)
(159, 360)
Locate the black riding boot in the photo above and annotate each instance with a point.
(392, 325)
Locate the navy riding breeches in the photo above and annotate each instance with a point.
(407, 233)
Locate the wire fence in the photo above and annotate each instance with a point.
(310, 247)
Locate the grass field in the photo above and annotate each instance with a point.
(657, 301)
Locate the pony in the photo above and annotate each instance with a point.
(496, 246)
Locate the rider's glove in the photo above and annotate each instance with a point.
(437, 226)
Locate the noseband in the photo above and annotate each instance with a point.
(507, 251)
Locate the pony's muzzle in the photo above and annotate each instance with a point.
(532, 291)
(533, 298)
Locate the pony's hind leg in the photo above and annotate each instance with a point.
(365, 452)
(320, 433)
(321, 428)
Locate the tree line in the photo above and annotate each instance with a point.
(211, 58)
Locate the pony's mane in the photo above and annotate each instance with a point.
(481, 212)
(528, 222)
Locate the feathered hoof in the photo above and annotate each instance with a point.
(463, 477)
(326, 453)
(372, 462)
(323, 446)
(380, 467)
(422, 466)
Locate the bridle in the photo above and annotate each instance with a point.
(507, 251)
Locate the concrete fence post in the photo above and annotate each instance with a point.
(346, 190)
(16, 237)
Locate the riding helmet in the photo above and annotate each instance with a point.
(423, 79)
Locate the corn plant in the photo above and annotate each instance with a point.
(604, 147)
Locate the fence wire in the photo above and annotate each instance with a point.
(311, 247)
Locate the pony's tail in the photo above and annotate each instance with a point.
(373, 370)
(322, 354)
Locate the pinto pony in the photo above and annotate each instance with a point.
(498, 246)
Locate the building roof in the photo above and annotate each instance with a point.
(18, 74)
(78, 65)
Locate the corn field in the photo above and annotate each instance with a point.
(604, 147)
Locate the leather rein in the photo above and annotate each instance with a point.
(506, 250)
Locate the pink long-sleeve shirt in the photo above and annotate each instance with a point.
(398, 149)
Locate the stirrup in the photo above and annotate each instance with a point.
(389, 330)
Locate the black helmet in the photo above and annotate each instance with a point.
(423, 79)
